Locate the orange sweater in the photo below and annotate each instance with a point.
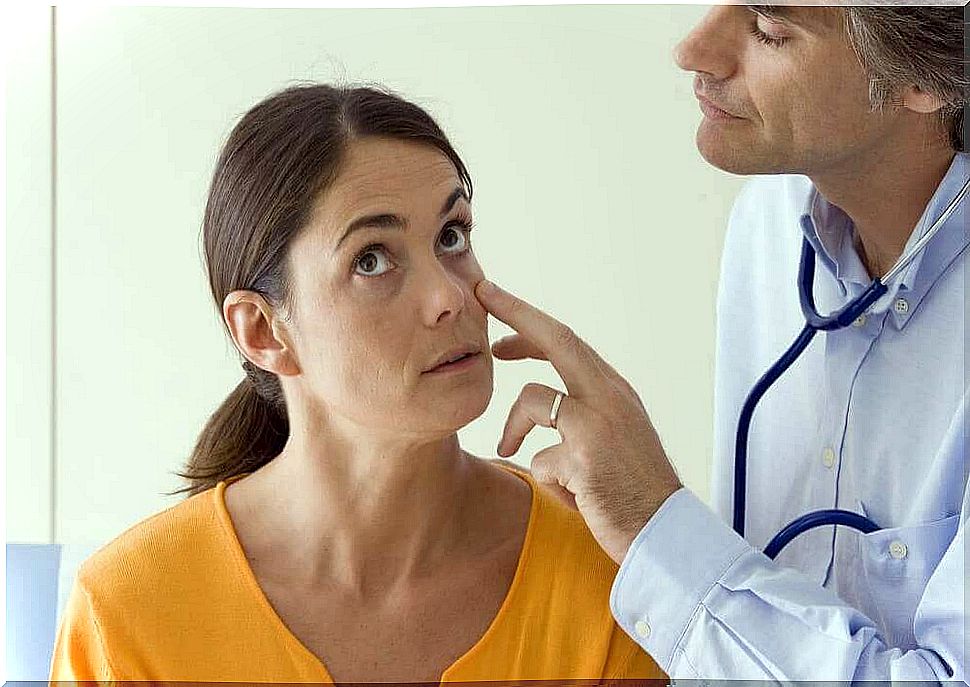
(173, 598)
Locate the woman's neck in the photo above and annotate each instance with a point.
(365, 513)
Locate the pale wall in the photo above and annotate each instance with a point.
(590, 201)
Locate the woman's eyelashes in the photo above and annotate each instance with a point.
(375, 260)
(456, 237)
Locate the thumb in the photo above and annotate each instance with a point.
(547, 469)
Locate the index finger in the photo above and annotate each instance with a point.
(573, 358)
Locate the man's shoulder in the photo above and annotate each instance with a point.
(764, 224)
(774, 196)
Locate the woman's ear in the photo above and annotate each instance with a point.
(258, 333)
(923, 102)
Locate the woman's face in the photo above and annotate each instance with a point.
(383, 284)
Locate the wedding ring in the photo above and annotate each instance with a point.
(554, 413)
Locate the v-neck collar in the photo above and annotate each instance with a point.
(295, 645)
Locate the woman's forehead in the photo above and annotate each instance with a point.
(383, 168)
(385, 176)
(379, 166)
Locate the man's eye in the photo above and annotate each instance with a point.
(767, 38)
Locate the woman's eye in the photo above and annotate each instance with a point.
(372, 262)
(453, 239)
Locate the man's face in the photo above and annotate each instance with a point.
(781, 92)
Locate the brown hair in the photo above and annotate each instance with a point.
(900, 46)
(278, 159)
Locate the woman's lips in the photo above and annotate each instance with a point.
(457, 366)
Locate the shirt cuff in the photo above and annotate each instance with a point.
(675, 560)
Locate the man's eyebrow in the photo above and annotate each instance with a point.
(790, 14)
(392, 221)
(769, 11)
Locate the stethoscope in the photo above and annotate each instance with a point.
(814, 322)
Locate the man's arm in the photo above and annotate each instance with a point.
(705, 604)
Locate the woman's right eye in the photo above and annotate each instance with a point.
(372, 262)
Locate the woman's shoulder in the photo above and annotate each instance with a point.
(565, 578)
(558, 535)
(165, 546)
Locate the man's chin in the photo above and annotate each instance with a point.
(726, 159)
(733, 156)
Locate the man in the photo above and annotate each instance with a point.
(854, 117)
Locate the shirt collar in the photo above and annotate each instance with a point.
(832, 235)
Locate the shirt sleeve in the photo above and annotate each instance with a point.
(79, 651)
(628, 661)
(705, 604)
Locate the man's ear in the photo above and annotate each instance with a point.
(923, 102)
(258, 333)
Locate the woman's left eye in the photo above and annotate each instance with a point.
(454, 238)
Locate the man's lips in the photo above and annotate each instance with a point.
(712, 110)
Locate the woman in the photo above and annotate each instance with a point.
(335, 530)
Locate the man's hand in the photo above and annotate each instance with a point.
(610, 464)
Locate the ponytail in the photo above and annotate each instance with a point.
(246, 432)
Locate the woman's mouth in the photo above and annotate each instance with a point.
(462, 362)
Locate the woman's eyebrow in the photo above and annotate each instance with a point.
(459, 192)
(392, 221)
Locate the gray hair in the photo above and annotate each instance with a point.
(913, 45)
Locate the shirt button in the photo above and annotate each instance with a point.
(860, 321)
(901, 306)
(642, 629)
(828, 457)
(897, 550)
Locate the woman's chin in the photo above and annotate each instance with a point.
(461, 409)
(473, 406)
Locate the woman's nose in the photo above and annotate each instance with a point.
(710, 48)
(444, 294)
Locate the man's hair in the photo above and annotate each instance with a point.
(923, 46)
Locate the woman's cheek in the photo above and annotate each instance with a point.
(470, 270)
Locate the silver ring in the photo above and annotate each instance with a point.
(554, 413)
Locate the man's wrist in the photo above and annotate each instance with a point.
(671, 566)
(643, 517)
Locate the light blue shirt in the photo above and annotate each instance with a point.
(872, 418)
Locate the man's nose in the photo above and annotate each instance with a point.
(711, 48)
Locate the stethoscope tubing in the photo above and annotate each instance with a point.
(815, 322)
